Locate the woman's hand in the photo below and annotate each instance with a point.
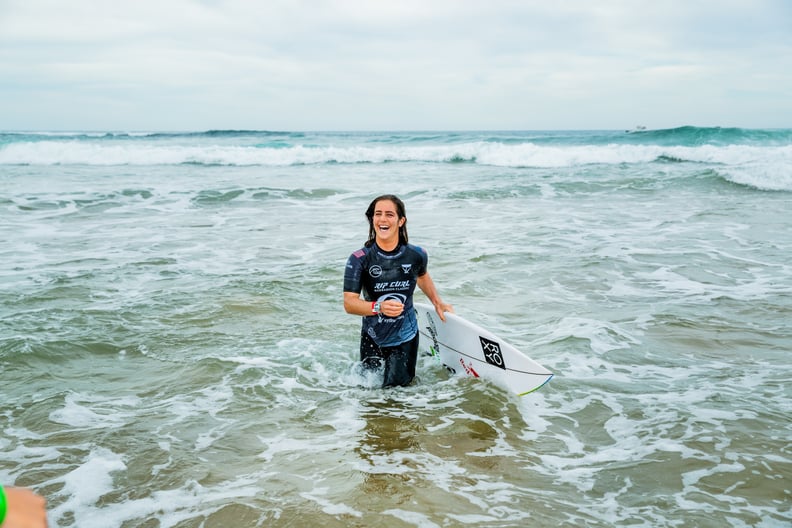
(25, 509)
(391, 308)
(441, 308)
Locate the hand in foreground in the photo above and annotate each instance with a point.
(24, 509)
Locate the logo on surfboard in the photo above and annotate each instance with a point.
(469, 368)
(492, 352)
(433, 332)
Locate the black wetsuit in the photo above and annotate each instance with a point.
(382, 275)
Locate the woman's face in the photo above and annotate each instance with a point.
(386, 224)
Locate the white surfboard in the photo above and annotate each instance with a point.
(466, 348)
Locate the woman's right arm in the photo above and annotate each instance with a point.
(353, 304)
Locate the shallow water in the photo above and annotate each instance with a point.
(174, 351)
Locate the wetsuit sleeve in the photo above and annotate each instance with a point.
(353, 272)
(424, 262)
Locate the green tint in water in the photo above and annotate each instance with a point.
(179, 356)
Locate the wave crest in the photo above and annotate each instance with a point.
(486, 153)
(760, 158)
(696, 136)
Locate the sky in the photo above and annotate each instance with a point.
(176, 65)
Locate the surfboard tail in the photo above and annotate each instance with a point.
(545, 382)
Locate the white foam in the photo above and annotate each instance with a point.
(416, 519)
(603, 336)
(210, 400)
(767, 175)
(85, 485)
(169, 507)
(329, 507)
(88, 411)
(23, 455)
(497, 154)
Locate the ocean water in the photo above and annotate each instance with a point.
(174, 351)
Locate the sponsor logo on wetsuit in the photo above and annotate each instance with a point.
(392, 285)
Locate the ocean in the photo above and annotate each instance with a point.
(174, 350)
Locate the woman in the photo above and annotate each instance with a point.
(386, 271)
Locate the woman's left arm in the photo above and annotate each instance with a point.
(427, 286)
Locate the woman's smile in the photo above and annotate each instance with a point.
(387, 221)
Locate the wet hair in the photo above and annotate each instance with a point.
(401, 212)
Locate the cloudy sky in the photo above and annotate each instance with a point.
(394, 64)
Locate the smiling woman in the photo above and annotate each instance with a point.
(379, 282)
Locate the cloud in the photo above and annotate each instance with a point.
(185, 64)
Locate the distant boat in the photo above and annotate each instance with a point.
(639, 128)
